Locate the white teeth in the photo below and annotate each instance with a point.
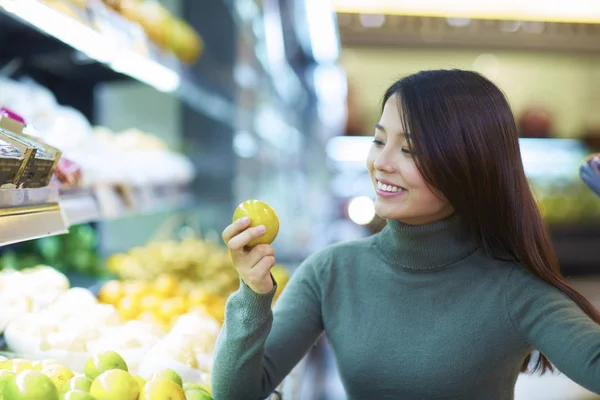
(388, 188)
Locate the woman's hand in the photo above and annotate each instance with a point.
(253, 264)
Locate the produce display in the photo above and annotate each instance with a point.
(165, 279)
(76, 325)
(165, 30)
(149, 333)
(73, 252)
(169, 33)
(67, 325)
(567, 202)
(28, 291)
(193, 263)
(162, 301)
(93, 155)
(105, 376)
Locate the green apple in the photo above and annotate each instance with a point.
(102, 362)
(115, 384)
(78, 382)
(5, 377)
(30, 385)
(169, 374)
(197, 395)
(193, 386)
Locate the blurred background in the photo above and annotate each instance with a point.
(170, 113)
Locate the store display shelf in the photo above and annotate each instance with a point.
(27, 214)
(112, 202)
(576, 247)
(121, 51)
(18, 224)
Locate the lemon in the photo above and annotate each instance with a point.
(172, 308)
(20, 365)
(36, 365)
(111, 292)
(130, 307)
(137, 289)
(260, 213)
(103, 361)
(115, 384)
(43, 363)
(151, 302)
(162, 389)
(141, 381)
(59, 374)
(166, 285)
(168, 374)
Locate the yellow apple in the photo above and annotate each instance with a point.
(260, 213)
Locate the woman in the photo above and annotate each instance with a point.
(451, 298)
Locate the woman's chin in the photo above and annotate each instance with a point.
(385, 211)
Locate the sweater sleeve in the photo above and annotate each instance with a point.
(555, 325)
(257, 348)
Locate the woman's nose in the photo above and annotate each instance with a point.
(385, 163)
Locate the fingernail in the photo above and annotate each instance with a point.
(261, 228)
(245, 220)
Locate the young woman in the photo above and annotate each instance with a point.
(451, 298)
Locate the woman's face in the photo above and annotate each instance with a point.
(402, 193)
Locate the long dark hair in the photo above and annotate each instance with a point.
(465, 141)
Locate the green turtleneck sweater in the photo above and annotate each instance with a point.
(412, 313)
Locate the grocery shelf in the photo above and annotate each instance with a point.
(25, 223)
(105, 202)
(34, 30)
(576, 246)
(23, 218)
(27, 214)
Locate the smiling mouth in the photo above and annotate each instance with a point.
(389, 188)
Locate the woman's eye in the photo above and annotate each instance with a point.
(406, 150)
(378, 142)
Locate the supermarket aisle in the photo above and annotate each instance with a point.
(326, 385)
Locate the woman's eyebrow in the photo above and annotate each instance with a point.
(382, 129)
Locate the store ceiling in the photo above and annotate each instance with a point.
(572, 11)
(418, 31)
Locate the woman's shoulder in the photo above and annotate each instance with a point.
(342, 253)
(346, 249)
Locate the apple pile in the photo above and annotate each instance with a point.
(105, 377)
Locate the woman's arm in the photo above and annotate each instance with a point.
(556, 326)
(257, 348)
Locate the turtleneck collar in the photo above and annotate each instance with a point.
(426, 247)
